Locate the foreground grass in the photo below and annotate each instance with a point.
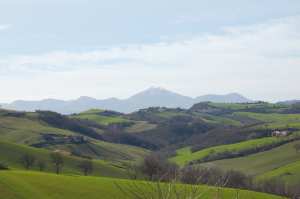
(185, 155)
(35, 185)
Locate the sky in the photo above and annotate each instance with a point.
(65, 49)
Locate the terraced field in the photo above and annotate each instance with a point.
(35, 185)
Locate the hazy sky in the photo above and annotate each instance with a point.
(69, 48)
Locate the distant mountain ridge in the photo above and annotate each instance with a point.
(148, 98)
(289, 102)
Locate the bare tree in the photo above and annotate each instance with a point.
(158, 168)
(27, 161)
(237, 179)
(42, 165)
(133, 171)
(86, 167)
(297, 147)
(58, 161)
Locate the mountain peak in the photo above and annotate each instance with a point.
(85, 98)
(156, 89)
(156, 92)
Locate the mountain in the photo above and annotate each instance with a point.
(158, 97)
(147, 98)
(290, 102)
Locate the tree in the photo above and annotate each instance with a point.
(3, 166)
(86, 167)
(27, 161)
(58, 161)
(237, 179)
(158, 168)
(133, 171)
(297, 147)
(41, 164)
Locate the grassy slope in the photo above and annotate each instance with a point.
(10, 154)
(135, 127)
(24, 130)
(184, 155)
(274, 120)
(140, 126)
(106, 151)
(269, 163)
(28, 130)
(290, 173)
(34, 185)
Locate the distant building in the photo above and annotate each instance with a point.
(280, 133)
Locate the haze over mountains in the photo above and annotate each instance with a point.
(150, 97)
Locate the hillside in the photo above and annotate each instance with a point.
(11, 154)
(185, 155)
(55, 132)
(272, 163)
(34, 185)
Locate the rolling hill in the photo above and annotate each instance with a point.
(233, 136)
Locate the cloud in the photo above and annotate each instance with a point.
(5, 27)
(259, 60)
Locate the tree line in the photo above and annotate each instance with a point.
(29, 161)
(158, 169)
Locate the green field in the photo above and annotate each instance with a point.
(274, 120)
(35, 185)
(105, 151)
(10, 155)
(95, 116)
(289, 173)
(24, 130)
(185, 155)
(275, 162)
(245, 106)
(140, 126)
(220, 120)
